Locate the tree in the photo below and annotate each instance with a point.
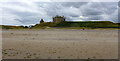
(25, 26)
(41, 21)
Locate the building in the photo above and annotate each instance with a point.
(58, 19)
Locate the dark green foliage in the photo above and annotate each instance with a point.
(26, 27)
(50, 24)
(85, 24)
(69, 24)
(41, 21)
(90, 24)
(11, 27)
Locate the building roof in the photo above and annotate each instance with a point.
(57, 16)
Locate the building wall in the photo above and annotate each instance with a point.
(58, 19)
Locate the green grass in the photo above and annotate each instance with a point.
(89, 24)
(70, 25)
(11, 27)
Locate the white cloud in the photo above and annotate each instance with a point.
(10, 19)
(0, 16)
(30, 12)
(60, 0)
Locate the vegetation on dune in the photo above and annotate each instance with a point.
(12, 27)
(44, 25)
(68, 25)
(59, 22)
(85, 24)
(91, 24)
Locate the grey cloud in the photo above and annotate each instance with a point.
(91, 12)
(95, 18)
(71, 10)
(76, 4)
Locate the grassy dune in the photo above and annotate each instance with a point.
(11, 27)
(70, 25)
(78, 25)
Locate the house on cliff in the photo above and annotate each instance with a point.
(58, 19)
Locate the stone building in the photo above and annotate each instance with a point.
(58, 19)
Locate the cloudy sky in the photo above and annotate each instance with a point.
(29, 12)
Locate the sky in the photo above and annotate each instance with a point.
(30, 12)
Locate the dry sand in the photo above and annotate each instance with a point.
(60, 44)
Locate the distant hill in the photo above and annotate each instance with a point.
(67, 24)
(88, 24)
(11, 27)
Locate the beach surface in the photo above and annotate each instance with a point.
(60, 44)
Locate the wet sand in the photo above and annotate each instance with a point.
(60, 44)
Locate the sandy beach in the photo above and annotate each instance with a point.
(60, 44)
